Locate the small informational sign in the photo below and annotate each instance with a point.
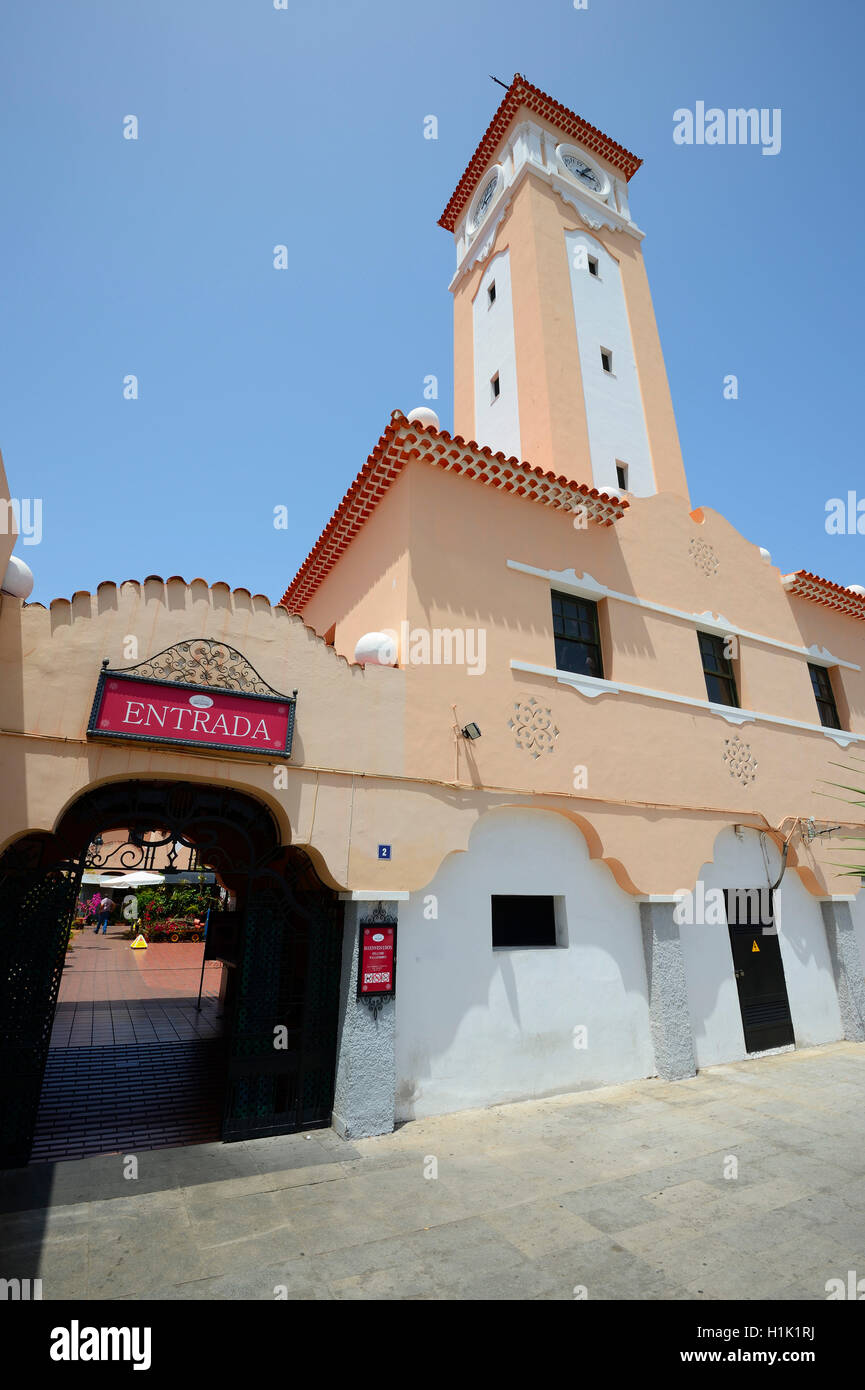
(146, 711)
(377, 965)
(222, 941)
(384, 851)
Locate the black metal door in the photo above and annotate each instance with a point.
(759, 970)
(286, 1001)
(37, 902)
(283, 1014)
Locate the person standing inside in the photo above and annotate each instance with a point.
(106, 907)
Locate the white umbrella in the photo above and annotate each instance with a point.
(140, 880)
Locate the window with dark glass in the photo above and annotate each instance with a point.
(578, 638)
(825, 696)
(718, 670)
(523, 920)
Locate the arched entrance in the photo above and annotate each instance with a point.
(285, 949)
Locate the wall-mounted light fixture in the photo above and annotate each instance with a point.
(471, 731)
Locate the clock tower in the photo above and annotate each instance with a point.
(557, 359)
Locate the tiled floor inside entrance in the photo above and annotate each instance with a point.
(111, 993)
(132, 1062)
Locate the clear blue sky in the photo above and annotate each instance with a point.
(305, 127)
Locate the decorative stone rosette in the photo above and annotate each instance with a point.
(740, 760)
(533, 728)
(704, 556)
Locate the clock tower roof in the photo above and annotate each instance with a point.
(521, 93)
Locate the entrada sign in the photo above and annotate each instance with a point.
(376, 974)
(192, 716)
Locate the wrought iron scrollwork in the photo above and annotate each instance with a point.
(124, 855)
(138, 853)
(203, 661)
(379, 916)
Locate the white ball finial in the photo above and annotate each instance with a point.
(18, 579)
(422, 415)
(765, 556)
(376, 649)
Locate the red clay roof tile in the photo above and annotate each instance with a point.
(403, 441)
(523, 93)
(806, 585)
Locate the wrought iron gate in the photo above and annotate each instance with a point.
(37, 900)
(282, 1010)
(283, 1043)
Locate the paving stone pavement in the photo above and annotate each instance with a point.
(624, 1192)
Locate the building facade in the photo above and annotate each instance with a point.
(575, 738)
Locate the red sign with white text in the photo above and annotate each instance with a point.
(152, 712)
(377, 960)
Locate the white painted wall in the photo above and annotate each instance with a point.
(497, 423)
(614, 407)
(712, 993)
(476, 1026)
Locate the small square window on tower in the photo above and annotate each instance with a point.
(495, 388)
(491, 293)
(607, 360)
(593, 265)
(622, 476)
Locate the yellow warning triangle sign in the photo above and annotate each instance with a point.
(754, 948)
(139, 943)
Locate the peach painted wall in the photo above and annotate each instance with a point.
(658, 789)
(346, 716)
(553, 427)
(553, 430)
(635, 749)
(368, 591)
(375, 753)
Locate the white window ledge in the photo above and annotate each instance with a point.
(587, 587)
(592, 687)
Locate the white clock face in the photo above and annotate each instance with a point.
(582, 171)
(485, 199)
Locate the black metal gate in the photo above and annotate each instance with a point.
(283, 1042)
(282, 1009)
(38, 893)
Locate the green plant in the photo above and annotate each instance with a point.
(856, 869)
(174, 900)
